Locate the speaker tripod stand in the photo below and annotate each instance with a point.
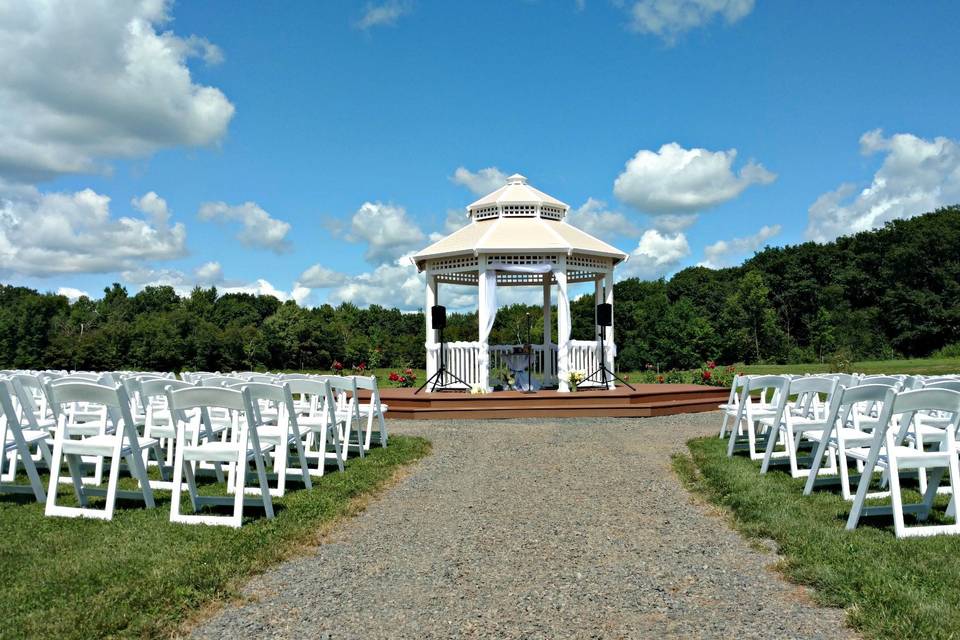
(606, 376)
(440, 378)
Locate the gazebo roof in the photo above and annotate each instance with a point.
(517, 218)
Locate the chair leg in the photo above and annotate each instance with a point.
(112, 483)
(239, 479)
(75, 467)
(264, 486)
(899, 527)
(175, 498)
(139, 471)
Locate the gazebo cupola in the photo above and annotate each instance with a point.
(519, 236)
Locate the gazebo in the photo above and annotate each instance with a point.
(519, 236)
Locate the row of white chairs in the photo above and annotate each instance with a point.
(885, 425)
(201, 423)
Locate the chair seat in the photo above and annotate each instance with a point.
(906, 457)
(29, 435)
(103, 445)
(167, 431)
(365, 409)
(220, 451)
(274, 434)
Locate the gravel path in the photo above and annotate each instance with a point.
(534, 529)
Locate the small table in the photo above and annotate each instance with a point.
(517, 363)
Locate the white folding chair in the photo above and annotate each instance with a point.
(243, 448)
(373, 410)
(807, 420)
(281, 430)
(752, 409)
(844, 432)
(121, 443)
(17, 442)
(886, 452)
(731, 407)
(348, 412)
(320, 422)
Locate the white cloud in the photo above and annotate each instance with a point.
(672, 223)
(917, 175)
(656, 255)
(208, 273)
(675, 180)
(395, 284)
(43, 234)
(388, 231)
(320, 277)
(594, 217)
(72, 294)
(668, 19)
(456, 219)
(107, 79)
(482, 182)
(719, 253)
(258, 228)
(383, 14)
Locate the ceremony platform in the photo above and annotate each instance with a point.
(648, 400)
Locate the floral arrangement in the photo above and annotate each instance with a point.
(477, 390)
(337, 367)
(574, 378)
(407, 378)
(503, 376)
(360, 369)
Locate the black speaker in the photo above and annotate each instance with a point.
(438, 315)
(604, 315)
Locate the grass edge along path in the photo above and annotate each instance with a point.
(890, 588)
(142, 576)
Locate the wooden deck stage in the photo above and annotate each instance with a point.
(648, 400)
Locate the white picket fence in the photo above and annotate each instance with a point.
(463, 358)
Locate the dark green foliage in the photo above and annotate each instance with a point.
(879, 294)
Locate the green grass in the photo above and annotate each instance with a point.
(140, 575)
(919, 366)
(890, 588)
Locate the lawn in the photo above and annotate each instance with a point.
(140, 575)
(890, 588)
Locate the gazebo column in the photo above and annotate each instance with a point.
(563, 339)
(611, 345)
(431, 334)
(547, 330)
(597, 299)
(483, 313)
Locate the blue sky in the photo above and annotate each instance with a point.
(308, 111)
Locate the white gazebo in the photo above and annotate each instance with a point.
(519, 236)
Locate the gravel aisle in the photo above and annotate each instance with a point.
(534, 529)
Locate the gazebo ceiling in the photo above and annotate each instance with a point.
(517, 218)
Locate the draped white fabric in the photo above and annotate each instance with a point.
(488, 309)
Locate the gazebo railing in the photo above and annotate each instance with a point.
(584, 357)
(463, 358)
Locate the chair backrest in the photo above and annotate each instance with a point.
(847, 398)
(196, 397)
(764, 384)
(881, 380)
(114, 398)
(152, 388)
(219, 381)
(278, 393)
(953, 385)
(846, 379)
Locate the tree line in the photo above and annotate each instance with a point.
(886, 293)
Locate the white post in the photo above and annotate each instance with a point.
(483, 358)
(611, 348)
(597, 299)
(547, 329)
(563, 341)
(431, 340)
